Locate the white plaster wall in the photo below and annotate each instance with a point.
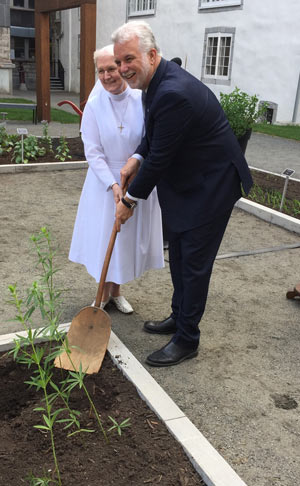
(110, 15)
(75, 61)
(266, 57)
(69, 49)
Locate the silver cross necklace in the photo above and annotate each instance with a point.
(120, 123)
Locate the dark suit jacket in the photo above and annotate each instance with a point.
(190, 151)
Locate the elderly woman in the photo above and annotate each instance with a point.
(112, 126)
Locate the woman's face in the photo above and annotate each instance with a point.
(109, 75)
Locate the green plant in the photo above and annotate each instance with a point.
(55, 408)
(44, 481)
(31, 150)
(241, 110)
(6, 141)
(46, 139)
(119, 427)
(63, 150)
(272, 199)
(296, 207)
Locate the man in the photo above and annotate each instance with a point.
(191, 154)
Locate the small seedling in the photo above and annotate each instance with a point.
(63, 151)
(46, 139)
(119, 427)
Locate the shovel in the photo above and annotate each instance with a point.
(89, 332)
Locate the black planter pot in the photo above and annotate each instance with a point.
(243, 140)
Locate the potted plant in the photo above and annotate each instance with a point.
(242, 112)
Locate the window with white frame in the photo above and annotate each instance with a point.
(218, 56)
(207, 4)
(141, 7)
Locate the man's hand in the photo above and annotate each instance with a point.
(122, 214)
(129, 171)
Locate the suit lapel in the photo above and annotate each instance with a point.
(154, 83)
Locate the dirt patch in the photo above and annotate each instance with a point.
(145, 453)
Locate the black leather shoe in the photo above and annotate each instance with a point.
(168, 326)
(171, 354)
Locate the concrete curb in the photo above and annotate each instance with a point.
(209, 464)
(42, 166)
(269, 215)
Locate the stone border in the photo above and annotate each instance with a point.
(209, 464)
(42, 166)
(269, 215)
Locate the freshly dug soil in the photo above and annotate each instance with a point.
(145, 453)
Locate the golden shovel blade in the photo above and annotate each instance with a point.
(88, 338)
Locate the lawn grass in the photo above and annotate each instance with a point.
(57, 115)
(284, 131)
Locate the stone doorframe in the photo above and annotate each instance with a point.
(42, 49)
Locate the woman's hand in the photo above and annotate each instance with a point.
(117, 192)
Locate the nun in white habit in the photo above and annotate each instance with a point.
(112, 126)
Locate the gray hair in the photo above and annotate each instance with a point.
(139, 29)
(109, 49)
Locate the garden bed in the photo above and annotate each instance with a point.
(75, 146)
(145, 453)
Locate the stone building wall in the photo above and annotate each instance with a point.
(4, 43)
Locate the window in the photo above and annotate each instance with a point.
(207, 4)
(23, 48)
(19, 47)
(24, 3)
(141, 7)
(217, 55)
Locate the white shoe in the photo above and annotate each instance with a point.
(102, 304)
(122, 304)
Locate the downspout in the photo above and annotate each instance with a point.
(297, 101)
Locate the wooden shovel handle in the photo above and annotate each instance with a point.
(107, 259)
(106, 264)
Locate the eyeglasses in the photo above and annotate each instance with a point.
(110, 71)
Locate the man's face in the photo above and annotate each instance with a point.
(135, 66)
(109, 75)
